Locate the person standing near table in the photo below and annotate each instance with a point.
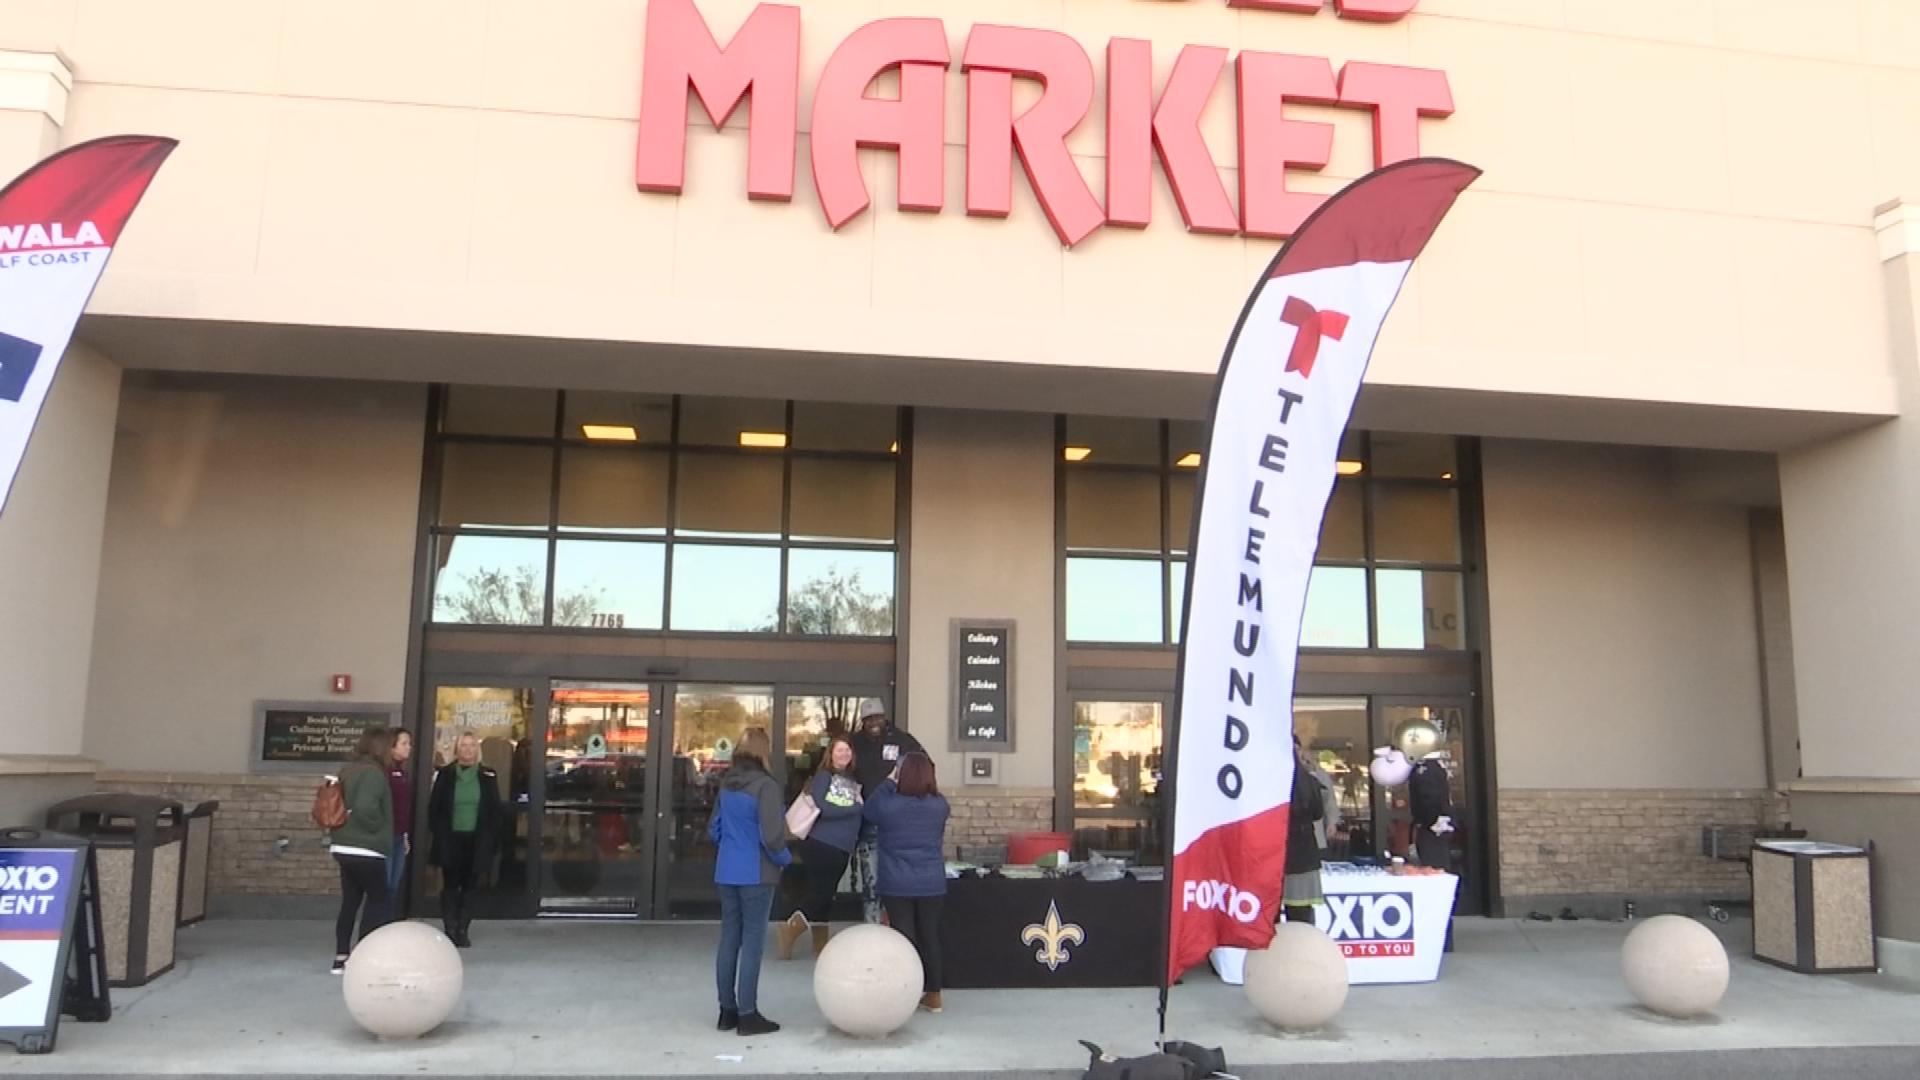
(910, 816)
(749, 825)
(878, 747)
(464, 815)
(1300, 893)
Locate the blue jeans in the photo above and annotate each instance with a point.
(396, 868)
(744, 910)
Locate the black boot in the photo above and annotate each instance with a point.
(465, 940)
(729, 1018)
(754, 1024)
(450, 915)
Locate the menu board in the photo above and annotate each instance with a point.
(983, 684)
(297, 734)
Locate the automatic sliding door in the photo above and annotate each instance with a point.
(500, 718)
(596, 825)
(706, 721)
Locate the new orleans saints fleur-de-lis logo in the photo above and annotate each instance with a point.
(1053, 937)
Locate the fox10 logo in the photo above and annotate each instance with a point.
(1370, 925)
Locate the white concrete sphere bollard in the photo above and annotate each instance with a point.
(867, 981)
(1675, 966)
(402, 980)
(1299, 982)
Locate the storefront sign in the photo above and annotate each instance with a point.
(1392, 927)
(983, 684)
(302, 734)
(760, 64)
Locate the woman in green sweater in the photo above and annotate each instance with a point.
(463, 815)
(361, 845)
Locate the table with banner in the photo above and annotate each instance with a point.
(1052, 932)
(1392, 926)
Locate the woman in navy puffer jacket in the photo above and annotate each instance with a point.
(910, 816)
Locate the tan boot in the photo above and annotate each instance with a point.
(930, 1002)
(820, 935)
(790, 932)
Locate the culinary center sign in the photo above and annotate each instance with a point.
(760, 65)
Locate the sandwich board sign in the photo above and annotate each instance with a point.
(49, 919)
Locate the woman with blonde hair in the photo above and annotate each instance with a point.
(749, 825)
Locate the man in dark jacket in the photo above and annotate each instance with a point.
(878, 747)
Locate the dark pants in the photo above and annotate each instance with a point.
(918, 917)
(363, 886)
(744, 910)
(825, 865)
(457, 872)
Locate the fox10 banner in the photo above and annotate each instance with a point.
(59, 222)
(1286, 388)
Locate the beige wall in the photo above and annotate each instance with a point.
(50, 542)
(982, 548)
(1624, 642)
(458, 166)
(260, 537)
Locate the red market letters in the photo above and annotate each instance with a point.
(761, 63)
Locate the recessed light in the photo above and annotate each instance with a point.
(1078, 453)
(895, 448)
(610, 432)
(1348, 468)
(1446, 476)
(772, 440)
(1189, 460)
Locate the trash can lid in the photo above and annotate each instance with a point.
(118, 804)
(1809, 847)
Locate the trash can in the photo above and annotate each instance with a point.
(197, 860)
(1813, 907)
(138, 841)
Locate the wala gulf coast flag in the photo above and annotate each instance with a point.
(58, 223)
(1286, 388)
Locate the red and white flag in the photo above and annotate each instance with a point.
(1286, 387)
(58, 223)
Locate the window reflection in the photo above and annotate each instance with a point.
(1336, 615)
(608, 585)
(836, 499)
(490, 580)
(729, 495)
(495, 486)
(726, 589)
(613, 491)
(840, 592)
(1420, 609)
(1114, 600)
(1116, 755)
(1333, 734)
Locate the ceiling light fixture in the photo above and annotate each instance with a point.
(1189, 460)
(1348, 468)
(610, 432)
(1078, 453)
(768, 440)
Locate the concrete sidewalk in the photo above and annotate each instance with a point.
(625, 999)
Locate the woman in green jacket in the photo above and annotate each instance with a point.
(362, 844)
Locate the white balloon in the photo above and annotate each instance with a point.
(1675, 966)
(1390, 767)
(1299, 982)
(403, 980)
(867, 980)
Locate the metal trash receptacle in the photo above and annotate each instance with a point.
(138, 843)
(1813, 907)
(196, 862)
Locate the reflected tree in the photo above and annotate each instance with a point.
(512, 597)
(838, 603)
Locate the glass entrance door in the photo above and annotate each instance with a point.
(596, 819)
(500, 717)
(705, 721)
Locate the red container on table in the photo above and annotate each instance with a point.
(1026, 848)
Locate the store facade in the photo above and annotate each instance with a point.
(457, 352)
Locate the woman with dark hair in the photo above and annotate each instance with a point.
(464, 814)
(749, 825)
(910, 815)
(360, 846)
(828, 847)
(400, 783)
(1300, 890)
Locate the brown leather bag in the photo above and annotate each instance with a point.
(329, 805)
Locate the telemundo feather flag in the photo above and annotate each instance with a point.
(58, 224)
(1284, 393)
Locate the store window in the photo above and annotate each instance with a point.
(649, 512)
(1117, 775)
(1390, 570)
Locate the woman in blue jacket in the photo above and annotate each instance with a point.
(749, 825)
(911, 816)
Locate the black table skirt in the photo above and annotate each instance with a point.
(996, 932)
